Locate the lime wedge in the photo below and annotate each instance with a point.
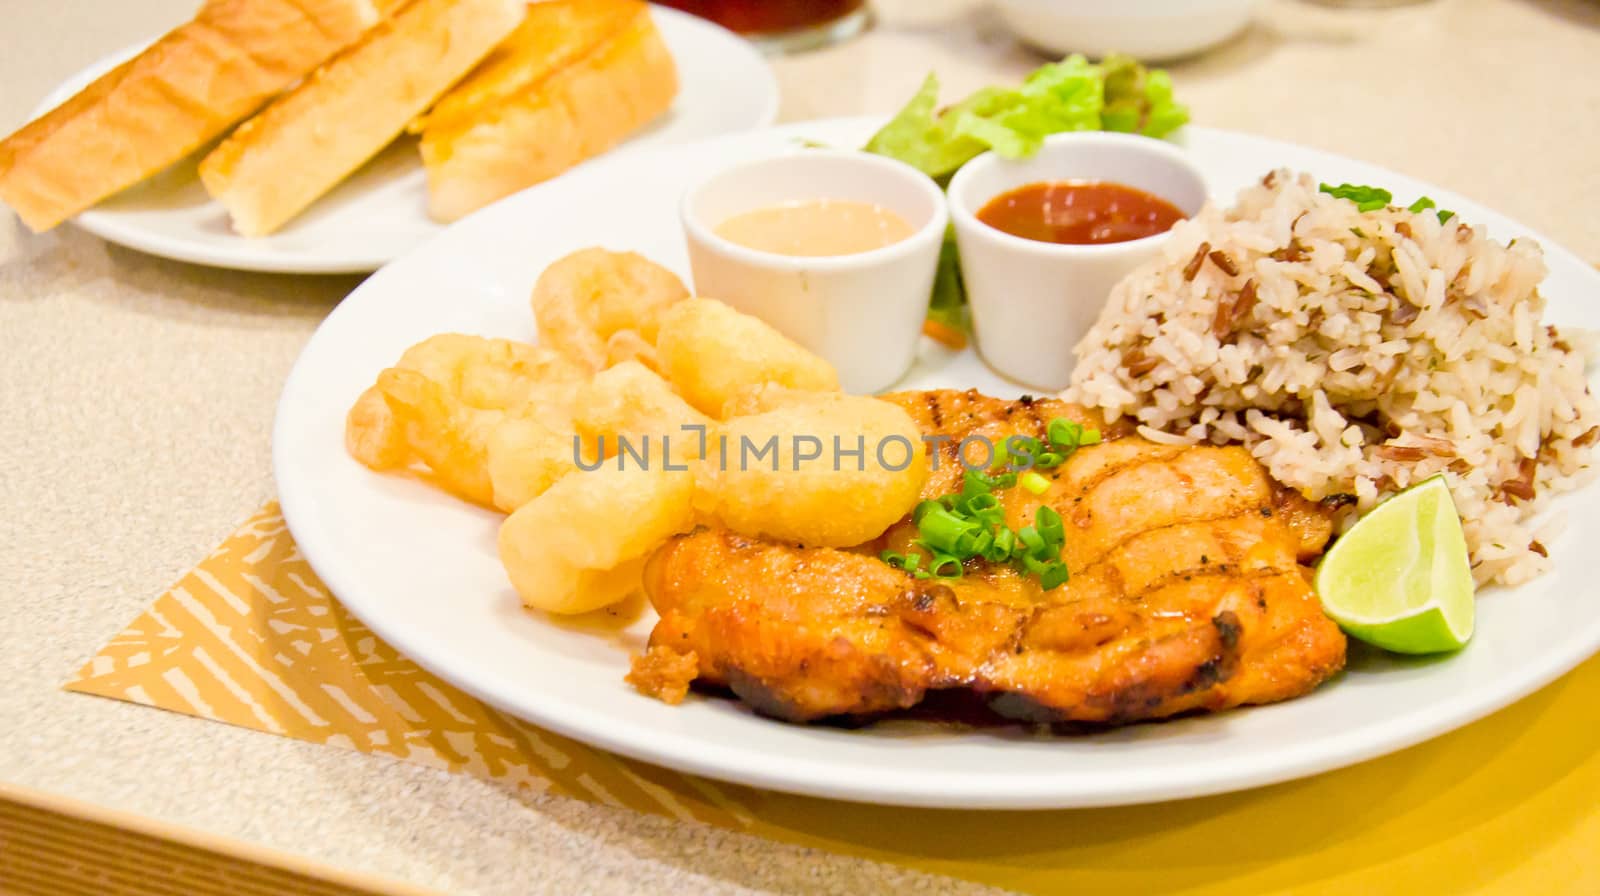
(1400, 578)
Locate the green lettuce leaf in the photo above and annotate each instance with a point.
(949, 303)
(1117, 94)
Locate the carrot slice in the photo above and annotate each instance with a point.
(944, 334)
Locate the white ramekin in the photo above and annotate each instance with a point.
(1152, 30)
(861, 312)
(1032, 301)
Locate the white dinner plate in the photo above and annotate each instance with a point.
(380, 212)
(420, 568)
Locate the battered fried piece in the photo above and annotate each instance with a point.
(584, 300)
(1186, 594)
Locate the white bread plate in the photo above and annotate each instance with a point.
(380, 212)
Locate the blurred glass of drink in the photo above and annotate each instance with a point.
(783, 25)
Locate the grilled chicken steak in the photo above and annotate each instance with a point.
(1187, 593)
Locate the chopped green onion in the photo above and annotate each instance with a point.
(1053, 576)
(975, 546)
(1005, 543)
(945, 566)
(942, 530)
(1035, 565)
(1033, 544)
(1066, 437)
(981, 504)
(1064, 432)
(1020, 451)
(1050, 528)
(971, 525)
(1445, 215)
(989, 519)
(910, 562)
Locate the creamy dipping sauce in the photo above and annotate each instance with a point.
(816, 227)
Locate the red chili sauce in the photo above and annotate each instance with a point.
(767, 16)
(1080, 212)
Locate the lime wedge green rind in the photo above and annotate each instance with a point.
(1400, 578)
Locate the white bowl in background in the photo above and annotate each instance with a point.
(1031, 300)
(862, 312)
(1152, 30)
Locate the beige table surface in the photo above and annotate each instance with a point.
(136, 399)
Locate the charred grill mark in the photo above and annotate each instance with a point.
(1023, 708)
(932, 597)
(761, 698)
(1218, 668)
(1339, 501)
(1088, 486)
(1228, 627)
(935, 409)
(1134, 536)
(1219, 572)
(1036, 424)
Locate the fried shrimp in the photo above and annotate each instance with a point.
(583, 543)
(373, 436)
(711, 353)
(628, 345)
(832, 470)
(489, 373)
(525, 457)
(449, 436)
(583, 301)
(631, 403)
(440, 411)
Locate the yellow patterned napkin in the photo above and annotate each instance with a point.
(251, 637)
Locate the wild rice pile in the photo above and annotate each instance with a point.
(1355, 353)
